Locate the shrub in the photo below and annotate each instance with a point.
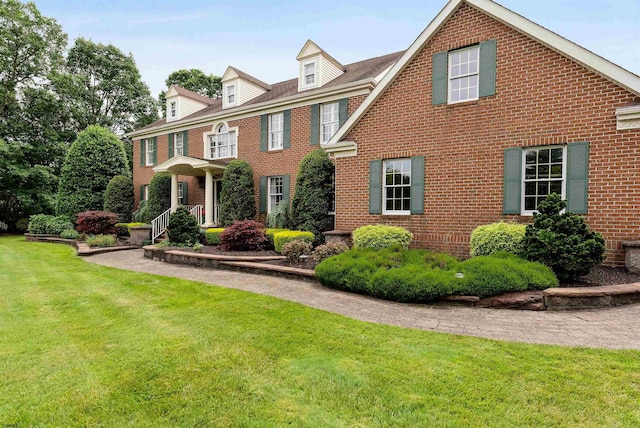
(118, 198)
(497, 237)
(312, 198)
(281, 238)
(97, 222)
(22, 225)
(237, 200)
(212, 236)
(124, 228)
(141, 215)
(48, 224)
(38, 224)
(183, 227)
(244, 235)
(381, 236)
(279, 217)
(93, 159)
(270, 233)
(562, 241)
(329, 249)
(3, 226)
(69, 234)
(159, 196)
(294, 250)
(101, 241)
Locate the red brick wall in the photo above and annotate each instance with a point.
(541, 98)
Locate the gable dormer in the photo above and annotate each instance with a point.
(182, 102)
(239, 87)
(316, 67)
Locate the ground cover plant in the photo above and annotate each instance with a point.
(85, 345)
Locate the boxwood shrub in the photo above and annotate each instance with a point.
(497, 237)
(281, 238)
(212, 235)
(49, 224)
(183, 227)
(381, 236)
(269, 232)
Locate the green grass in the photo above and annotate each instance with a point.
(85, 345)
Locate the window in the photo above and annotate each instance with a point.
(275, 192)
(310, 74)
(397, 186)
(172, 109)
(276, 122)
(231, 94)
(182, 193)
(178, 144)
(329, 121)
(544, 173)
(463, 74)
(148, 144)
(145, 192)
(223, 144)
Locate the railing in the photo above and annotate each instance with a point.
(216, 219)
(198, 212)
(159, 225)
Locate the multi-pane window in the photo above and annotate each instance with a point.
(397, 186)
(329, 121)
(181, 193)
(463, 74)
(223, 144)
(231, 94)
(148, 144)
(544, 173)
(178, 144)
(276, 122)
(172, 108)
(310, 73)
(275, 192)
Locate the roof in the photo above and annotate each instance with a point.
(192, 95)
(241, 74)
(355, 72)
(586, 58)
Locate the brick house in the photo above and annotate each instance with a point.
(484, 115)
(272, 126)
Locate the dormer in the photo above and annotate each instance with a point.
(182, 102)
(239, 87)
(316, 67)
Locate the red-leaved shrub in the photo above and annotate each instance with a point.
(97, 222)
(246, 235)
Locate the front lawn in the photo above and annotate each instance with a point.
(82, 344)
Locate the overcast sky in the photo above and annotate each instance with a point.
(263, 39)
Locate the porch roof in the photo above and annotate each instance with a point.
(186, 165)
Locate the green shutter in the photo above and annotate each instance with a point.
(315, 124)
(439, 80)
(375, 187)
(487, 84)
(417, 185)
(263, 195)
(185, 193)
(286, 183)
(141, 192)
(512, 185)
(343, 111)
(264, 132)
(185, 143)
(577, 177)
(171, 145)
(286, 129)
(155, 150)
(142, 152)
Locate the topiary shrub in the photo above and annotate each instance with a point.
(294, 250)
(97, 222)
(101, 241)
(381, 236)
(48, 224)
(93, 159)
(183, 227)
(312, 198)
(159, 196)
(329, 249)
(281, 238)
(237, 198)
(118, 198)
(497, 237)
(244, 235)
(212, 235)
(69, 234)
(562, 241)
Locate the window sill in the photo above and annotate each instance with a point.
(390, 216)
(275, 150)
(463, 103)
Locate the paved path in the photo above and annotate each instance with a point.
(616, 328)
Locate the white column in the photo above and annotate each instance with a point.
(208, 199)
(174, 192)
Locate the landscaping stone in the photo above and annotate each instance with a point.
(632, 255)
(139, 234)
(530, 300)
(591, 297)
(338, 236)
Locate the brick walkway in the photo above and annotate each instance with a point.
(615, 328)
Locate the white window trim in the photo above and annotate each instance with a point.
(148, 152)
(523, 211)
(173, 109)
(449, 78)
(235, 94)
(280, 143)
(145, 192)
(206, 142)
(322, 123)
(180, 192)
(316, 81)
(269, 194)
(175, 144)
(384, 189)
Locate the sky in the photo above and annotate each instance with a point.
(264, 38)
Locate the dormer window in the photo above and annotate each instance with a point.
(310, 73)
(172, 109)
(231, 94)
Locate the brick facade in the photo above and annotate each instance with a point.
(542, 98)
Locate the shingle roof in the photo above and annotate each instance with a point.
(251, 79)
(193, 95)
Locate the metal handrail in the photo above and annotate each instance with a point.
(159, 225)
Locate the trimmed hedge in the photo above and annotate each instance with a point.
(421, 276)
(381, 236)
(212, 235)
(237, 201)
(497, 237)
(119, 198)
(159, 197)
(281, 238)
(269, 232)
(43, 224)
(124, 228)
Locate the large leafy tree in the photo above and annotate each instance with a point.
(194, 80)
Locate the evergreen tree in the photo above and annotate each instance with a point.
(237, 199)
